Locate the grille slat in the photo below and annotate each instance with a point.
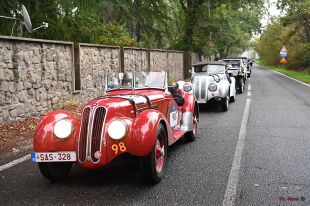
(203, 88)
(83, 135)
(197, 81)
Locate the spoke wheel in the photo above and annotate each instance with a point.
(153, 165)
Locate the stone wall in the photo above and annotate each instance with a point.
(135, 59)
(175, 65)
(34, 75)
(95, 61)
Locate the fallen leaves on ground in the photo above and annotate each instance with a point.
(19, 130)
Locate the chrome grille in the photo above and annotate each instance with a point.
(97, 132)
(91, 133)
(200, 88)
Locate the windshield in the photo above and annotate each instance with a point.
(210, 69)
(235, 65)
(132, 80)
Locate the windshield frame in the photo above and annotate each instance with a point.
(134, 82)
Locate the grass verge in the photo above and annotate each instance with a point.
(300, 75)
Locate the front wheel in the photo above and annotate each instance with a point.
(55, 171)
(190, 136)
(153, 165)
(225, 103)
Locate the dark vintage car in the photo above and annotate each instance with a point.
(136, 115)
(238, 69)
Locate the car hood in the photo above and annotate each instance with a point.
(208, 78)
(123, 101)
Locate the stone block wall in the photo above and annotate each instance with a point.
(175, 65)
(158, 60)
(34, 75)
(95, 61)
(135, 59)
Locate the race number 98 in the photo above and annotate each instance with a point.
(120, 147)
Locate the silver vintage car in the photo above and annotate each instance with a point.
(211, 81)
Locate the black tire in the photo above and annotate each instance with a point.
(225, 103)
(148, 163)
(191, 135)
(55, 171)
(232, 99)
(240, 85)
(249, 74)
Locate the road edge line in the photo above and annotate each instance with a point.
(15, 162)
(232, 184)
(308, 85)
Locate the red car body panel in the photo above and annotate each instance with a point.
(142, 124)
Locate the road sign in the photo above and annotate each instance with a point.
(283, 60)
(283, 55)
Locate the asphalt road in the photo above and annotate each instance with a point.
(274, 169)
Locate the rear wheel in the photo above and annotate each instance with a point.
(55, 171)
(191, 135)
(153, 165)
(240, 85)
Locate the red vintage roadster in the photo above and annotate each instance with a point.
(136, 115)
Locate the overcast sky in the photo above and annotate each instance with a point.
(272, 11)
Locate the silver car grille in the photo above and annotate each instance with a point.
(200, 88)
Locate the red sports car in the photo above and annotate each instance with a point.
(138, 114)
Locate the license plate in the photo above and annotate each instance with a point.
(53, 156)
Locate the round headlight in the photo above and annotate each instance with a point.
(212, 87)
(63, 128)
(117, 129)
(187, 87)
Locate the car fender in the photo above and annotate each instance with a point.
(223, 88)
(44, 138)
(232, 86)
(145, 129)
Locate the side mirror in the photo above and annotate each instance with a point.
(190, 71)
(230, 74)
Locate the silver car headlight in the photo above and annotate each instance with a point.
(117, 129)
(187, 87)
(63, 128)
(212, 87)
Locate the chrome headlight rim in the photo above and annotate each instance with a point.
(63, 128)
(212, 87)
(187, 87)
(117, 129)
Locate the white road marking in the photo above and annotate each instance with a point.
(15, 162)
(308, 85)
(249, 93)
(232, 184)
(249, 87)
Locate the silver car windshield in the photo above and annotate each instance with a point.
(134, 80)
(210, 69)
